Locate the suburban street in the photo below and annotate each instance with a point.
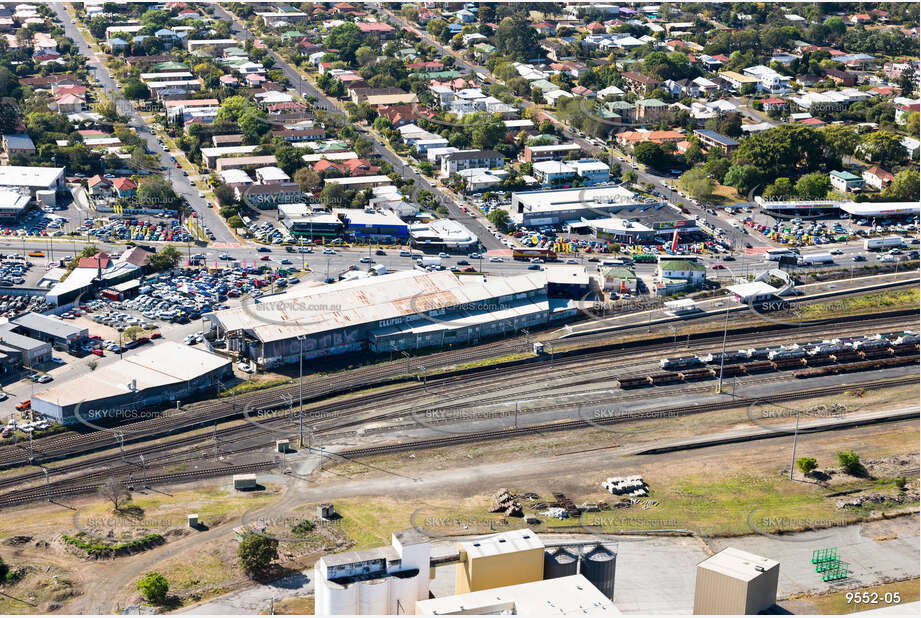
(489, 241)
(181, 184)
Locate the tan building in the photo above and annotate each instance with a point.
(505, 559)
(735, 582)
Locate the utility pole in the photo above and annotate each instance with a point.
(795, 433)
(300, 371)
(719, 387)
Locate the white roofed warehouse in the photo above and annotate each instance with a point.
(406, 310)
(138, 385)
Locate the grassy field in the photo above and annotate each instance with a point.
(855, 305)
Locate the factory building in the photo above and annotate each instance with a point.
(62, 335)
(398, 311)
(735, 582)
(504, 559)
(572, 594)
(378, 581)
(536, 209)
(137, 384)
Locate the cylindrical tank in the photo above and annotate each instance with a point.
(336, 599)
(373, 595)
(403, 593)
(598, 565)
(560, 562)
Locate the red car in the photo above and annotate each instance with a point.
(718, 267)
(156, 335)
(97, 352)
(264, 258)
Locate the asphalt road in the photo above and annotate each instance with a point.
(181, 184)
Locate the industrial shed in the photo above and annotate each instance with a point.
(60, 334)
(382, 314)
(135, 387)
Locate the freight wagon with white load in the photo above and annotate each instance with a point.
(889, 242)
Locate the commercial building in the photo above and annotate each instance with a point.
(735, 582)
(570, 595)
(18, 350)
(854, 209)
(567, 206)
(381, 226)
(305, 222)
(62, 335)
(443, 235)
(405, 310)
(12, 204)
(567, 281)
(378, 581)
(592, 170)
(550, 172)
(168, 371)
(504, 559)
(32, 179)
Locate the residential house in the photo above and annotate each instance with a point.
(18, 143)
(841, 78)
(382, 31)
(650, 110)
(877, 178)
(678, 275)
(534, 154)
(774, 104)
(99, 187)
(632, 138)
(124, 187)
(737, 81)
(712, 139)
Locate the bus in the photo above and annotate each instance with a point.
(530, 253)
(644, 258)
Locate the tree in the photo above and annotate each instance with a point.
(135, 89)
(166, 258)
(307, 179)
(742, 177)
(651, 154)
(364, 55)
(132, 333)
(780, 188)
(289, 159)
(156, 191)
(225, 195)
(115, 492)
(907, 83)
(806, 464)
(236, 222)
(912, 125)
(883, 147)
(904, 187)
(154, 587)
(850, 462)
(516, 38)
(813, 186)
(333, 195)
(696, 182)
(346, 38)
(499, 218)
(256, 552)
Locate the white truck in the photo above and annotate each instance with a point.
(427, 261)
(817, 258)
(888, 242)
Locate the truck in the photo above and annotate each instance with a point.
(888, 242)
(816, 258)
(427, 261)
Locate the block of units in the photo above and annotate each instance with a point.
(244, 481)
(735, 582)
(193, 520)
(282, 445)
(504, 559)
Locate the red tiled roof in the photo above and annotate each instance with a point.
(101, 260)
(124, 184)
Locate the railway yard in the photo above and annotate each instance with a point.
(627, 401)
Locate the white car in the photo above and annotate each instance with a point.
(495, 258)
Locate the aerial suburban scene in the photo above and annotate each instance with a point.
(442, 308)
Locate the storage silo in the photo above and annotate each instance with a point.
(373, 595)
(560, 562)
(598, 565)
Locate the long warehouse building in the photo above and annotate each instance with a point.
(135, 387)
(399, 311)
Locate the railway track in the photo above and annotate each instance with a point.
(64, 445)
(581, 424)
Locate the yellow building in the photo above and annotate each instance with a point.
(735, 582)
(504, 559)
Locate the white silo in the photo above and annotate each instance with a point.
(373, 595)
(403, 592)
(415, 552)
